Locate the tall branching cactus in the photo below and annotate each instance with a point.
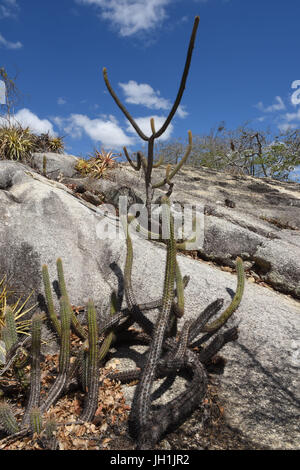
(168, 351)
(148, 164)
(150, 425)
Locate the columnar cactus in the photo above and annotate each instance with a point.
(35, 371)
(93, 366)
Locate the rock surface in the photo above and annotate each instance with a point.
(257, 219)
(57, 165)
(41, 220)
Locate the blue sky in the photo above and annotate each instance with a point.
(245, 61)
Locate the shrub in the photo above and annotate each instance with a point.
(17, 143)
(46, 143)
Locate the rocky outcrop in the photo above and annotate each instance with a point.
(56, 165)
(257, 219)
(42, 219)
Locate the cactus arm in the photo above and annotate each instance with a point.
(44, 165)
(36, 423)
(179, 305)
(215, 325)
(49, 300)
(183, 79)
(7, 419)
(217, 343)
(91, 402)
(183, 245)
(63, 290)
(110, 336)
(168, 170)
(122, 107)
(50, 434)
(64, 357)
(35, 373)
(152, 124)
(136, 167)
(147, 233)
(11, 336)
(169, 176)
(159, 162)
(133, 307)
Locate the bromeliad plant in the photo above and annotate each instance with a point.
(97, 164)
(18, 310)
(46, 143)
(18, 143)
(15, 142)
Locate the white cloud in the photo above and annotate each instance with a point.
(145, 126)
(106, 131)
(181, 111)
(26, 118)
(283, 127)
(8, 9)
(278, 106)
(293, 116)
(289, 121)
(143, 94)
(8, 44)
(61, 101)
(131, 16)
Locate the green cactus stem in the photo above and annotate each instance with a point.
(35, 372)
(49, 300)
(110, 336)
(11, 335)
(63, 290)
(36, 423)
(215, 325)
(91, 401)
(171, 174)
(50, 441)
(148, 374)
(64, 356)
(159, 162)
(44, 165)
(7, 419)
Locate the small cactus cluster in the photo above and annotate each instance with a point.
(84, 370)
